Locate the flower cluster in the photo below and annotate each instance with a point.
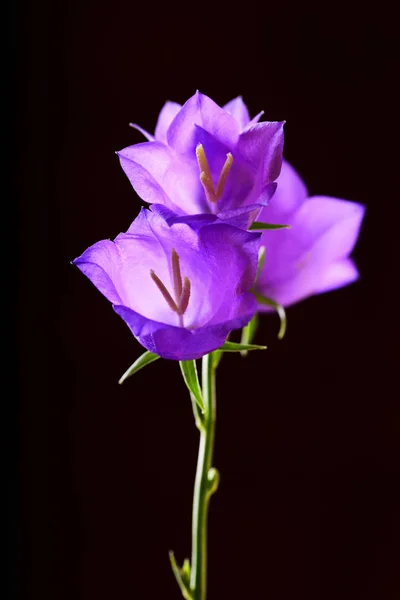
(185, 273)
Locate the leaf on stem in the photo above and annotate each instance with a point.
(279, 309)
(189, 372)
(182, 576)
(233, 347)
(248, 333)
(261, 261)
(216, 358)
(259, 226)
(145, 359)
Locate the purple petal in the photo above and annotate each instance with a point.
(243, 310)
(237, 252)
(165, 118)
(290, 194)
(315, 279)
(238, 110)
(262, 146)
(159, 176)
(201, 110)
(254, 120)
(100, 264)
(242, 217)
(308, 258)
(330, 224)
(194, 221)
(177, 343)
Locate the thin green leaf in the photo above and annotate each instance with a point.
(279, 309)
(259, 226)
(261, 261)
(181, 577)
(248, 333)
(145, 359)
(217, 356)
(233, 347)
(189, 372)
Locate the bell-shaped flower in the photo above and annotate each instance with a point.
(181, 284)
(206, 159)
(313, 256)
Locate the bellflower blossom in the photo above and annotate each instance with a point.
(313, 256)
(181, 284)
(207, 159)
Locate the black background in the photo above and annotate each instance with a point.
(308, 433)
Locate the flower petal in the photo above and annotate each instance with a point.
(262, 146)
(236, 251)
(238, 110)
(100, 264)
(290, 194)
(177, 343)
(331, 225)
(194, 221)
(201, 110)
(311, 256)
(165, 118)
(159, 176)
(242, 217)
(315, 279)
(254, 120)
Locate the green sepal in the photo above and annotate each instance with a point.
(248, 333)
(145, 359)
(233, 347)
(182, 576)
(279, 309)
(185, 572)
(189, 372)
(260, 226)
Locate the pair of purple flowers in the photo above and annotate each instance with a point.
(185, 273)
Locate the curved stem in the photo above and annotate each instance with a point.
(203, 487)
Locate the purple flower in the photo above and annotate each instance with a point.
(180, 284)
(206, 159)
(313, 256)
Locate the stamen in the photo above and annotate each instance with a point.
(203, 163)
(184, 300)
(213, 194)
(181, 290)
(224, 176)
(167, 296)
(208, 188)
(176, 275)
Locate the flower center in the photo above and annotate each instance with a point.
(181, 288)
(213, 193)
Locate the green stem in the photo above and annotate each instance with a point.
(203, 487)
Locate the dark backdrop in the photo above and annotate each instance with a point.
(308, 433)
